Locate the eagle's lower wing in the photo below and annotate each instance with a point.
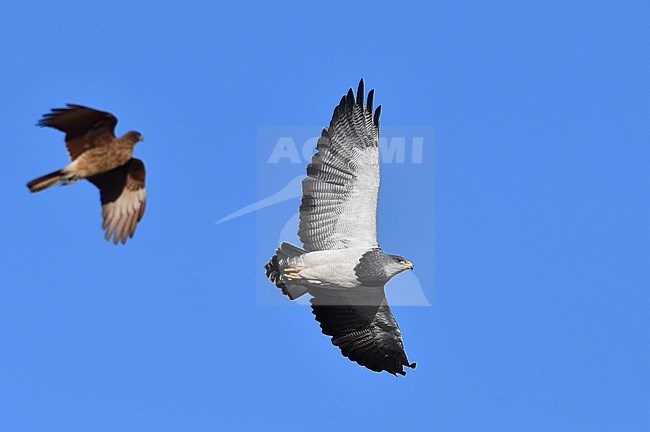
(84, 127)
(362, 325)
(339, 202)
(123, 196)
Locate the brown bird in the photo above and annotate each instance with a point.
(100, 157)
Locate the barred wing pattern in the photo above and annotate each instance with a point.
(339, 203)
(362, 325)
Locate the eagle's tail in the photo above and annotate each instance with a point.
(276, 265)
(44, 182)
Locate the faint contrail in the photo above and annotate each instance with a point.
(290, 191)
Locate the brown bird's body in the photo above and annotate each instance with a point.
(97, 155)
(101, 159)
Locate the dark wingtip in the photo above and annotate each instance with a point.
(402, 371)
(349, 99)
(375, 119)
(371, 96)
(360, 93)
(46, 118)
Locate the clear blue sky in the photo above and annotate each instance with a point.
(533, 251)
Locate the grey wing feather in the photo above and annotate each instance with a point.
(339, 203)
(362, 325)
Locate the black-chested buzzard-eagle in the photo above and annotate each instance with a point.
(342, 266)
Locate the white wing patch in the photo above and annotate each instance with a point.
(339, 203)
(122, 216)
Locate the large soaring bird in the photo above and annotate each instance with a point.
(100, 157)
(342, 266)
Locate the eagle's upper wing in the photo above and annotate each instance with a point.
(362, 326)
(123, 197)
(339, 202)
(84, 127)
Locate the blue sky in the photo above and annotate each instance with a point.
(528, 229)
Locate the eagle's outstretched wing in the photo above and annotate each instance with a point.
(361, 324)
(339, 202)
(84, 127)
(123, 197)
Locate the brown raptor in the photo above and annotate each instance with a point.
(100, 157)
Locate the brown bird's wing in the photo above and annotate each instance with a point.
(362, 325)
(84, 127)
(123, 197)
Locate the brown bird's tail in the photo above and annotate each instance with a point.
(48, 180)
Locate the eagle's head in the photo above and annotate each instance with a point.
(399, 264)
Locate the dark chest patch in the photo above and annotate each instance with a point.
(371, 268)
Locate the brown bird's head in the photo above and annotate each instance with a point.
(132, 137)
